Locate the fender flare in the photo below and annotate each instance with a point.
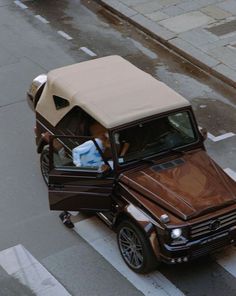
(144, 222)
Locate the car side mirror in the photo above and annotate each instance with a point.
(203, 132)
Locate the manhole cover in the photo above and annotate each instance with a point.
(223, 29)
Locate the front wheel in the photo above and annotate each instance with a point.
(44, 163)
(135, 248)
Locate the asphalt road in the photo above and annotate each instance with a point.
(49, 34)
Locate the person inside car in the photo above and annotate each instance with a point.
(88, 154)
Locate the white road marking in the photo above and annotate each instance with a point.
(21, 265)
(65, 35)
(88, 51)
(231, 173)
(103, 240)
(231, 47)
(210, 136)
(221, 137)
(41, 19)
(218, 138)
(20, 4)
(227, 259)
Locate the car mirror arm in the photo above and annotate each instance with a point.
(203, 132)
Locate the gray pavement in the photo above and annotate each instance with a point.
(202, 31)
(29, 48)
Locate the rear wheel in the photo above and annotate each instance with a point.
(44, 163)
(135, 248)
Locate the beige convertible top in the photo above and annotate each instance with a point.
(110, 89)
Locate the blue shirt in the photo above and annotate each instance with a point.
(87, 155)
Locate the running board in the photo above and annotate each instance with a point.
(105, 219)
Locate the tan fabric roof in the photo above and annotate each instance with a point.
(110, 89)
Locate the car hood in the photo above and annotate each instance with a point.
(189, 186)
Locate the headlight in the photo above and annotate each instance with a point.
(176, 233)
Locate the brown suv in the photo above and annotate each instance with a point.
(115, 141)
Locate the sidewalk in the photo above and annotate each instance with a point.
(203, 31)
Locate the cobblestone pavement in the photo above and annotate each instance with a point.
(203, 31)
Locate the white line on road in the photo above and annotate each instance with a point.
(65, 35)
(21, 265)
(20, 4)
(221, 137)
(231, 173)
(102, 239)
(227, 260)
(218, 138)
(88, 51)
(41, 19)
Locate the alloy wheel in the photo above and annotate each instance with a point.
(131, 247)
(44, 160)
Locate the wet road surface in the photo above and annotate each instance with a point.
(32, 45)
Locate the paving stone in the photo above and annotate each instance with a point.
(222, 29)
(173, 10)
(157, 16)
(153, 27)
(219, 43)
(132, 2)
(120, 7)
(227, 72)
(226, 55)
(166, 3)
(187, 21)
(185, 26)
(229, 6)
(198, 37)
(195, 5)
(193, 53)
(215, 12)
(147, 7)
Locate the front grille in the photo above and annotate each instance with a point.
(213, 225)
(209, 247)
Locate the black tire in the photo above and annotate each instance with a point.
(44, 163)
(135, 248)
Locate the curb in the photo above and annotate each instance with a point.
(169, 40)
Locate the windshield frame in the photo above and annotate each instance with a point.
(162, 153)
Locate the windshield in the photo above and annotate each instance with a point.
(155, 137)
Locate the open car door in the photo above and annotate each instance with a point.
(77, 188)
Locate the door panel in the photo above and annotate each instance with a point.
(77, 192)
(74, 188)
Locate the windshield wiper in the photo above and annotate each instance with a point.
(144, 160)
(176, 150)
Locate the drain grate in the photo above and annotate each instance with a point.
(223, 29)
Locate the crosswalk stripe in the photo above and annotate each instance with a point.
(227, 259)
(103, 240)
(21, 265)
